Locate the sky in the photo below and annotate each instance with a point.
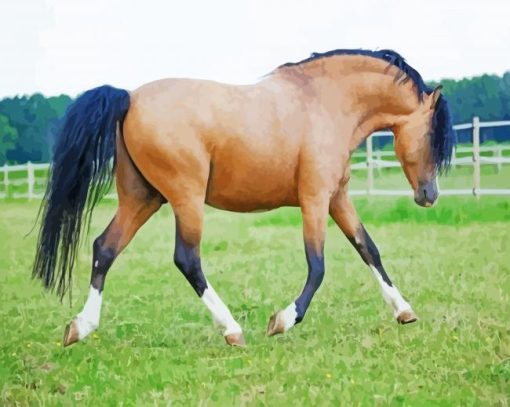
(63, 46)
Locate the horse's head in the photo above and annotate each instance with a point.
(424, 142)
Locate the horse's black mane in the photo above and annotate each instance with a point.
(443, 136)
(407, 72)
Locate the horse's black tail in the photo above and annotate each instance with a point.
(81, 172)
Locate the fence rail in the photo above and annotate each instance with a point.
(373, 160)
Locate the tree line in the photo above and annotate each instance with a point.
(29, 124)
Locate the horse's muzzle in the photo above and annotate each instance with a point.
(426, 193)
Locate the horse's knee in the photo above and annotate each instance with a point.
(369, 253)
(366, 247)
(315, 268)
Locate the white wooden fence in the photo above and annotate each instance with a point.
(372, 160)
(29, 179)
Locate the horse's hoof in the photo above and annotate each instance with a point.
(71, 333)
(235, 340)
(406, 317)
(276, 324)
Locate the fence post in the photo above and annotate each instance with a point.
(378, 157)
(370, 167)
(499, 156)
(476, 156)
(31, 180)
(6, 179)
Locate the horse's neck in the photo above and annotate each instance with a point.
(373, 97)
(364, 88)
(379, 103)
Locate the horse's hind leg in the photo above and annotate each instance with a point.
(188, 231)
(344, 214)
(138, 201)
(184, 186)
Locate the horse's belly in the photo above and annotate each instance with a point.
(251, 189)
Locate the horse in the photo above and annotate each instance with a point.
(283, 141)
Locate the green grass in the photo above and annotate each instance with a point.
(157, 346)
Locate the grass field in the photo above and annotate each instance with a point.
(157, 345)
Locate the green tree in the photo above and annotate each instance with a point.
(8, 138)
(486, 96)
(36, 119)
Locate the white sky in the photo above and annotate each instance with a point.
(67, 46)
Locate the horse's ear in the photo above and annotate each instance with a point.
(435, 96)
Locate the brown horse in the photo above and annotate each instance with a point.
(285, 141)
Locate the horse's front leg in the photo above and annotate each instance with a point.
(315, 212)
(344, 214)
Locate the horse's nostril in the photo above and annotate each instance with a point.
(425, 193)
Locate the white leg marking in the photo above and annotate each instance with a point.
(220, 311)
(88, 319)
(289, 315)
(391, 294)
